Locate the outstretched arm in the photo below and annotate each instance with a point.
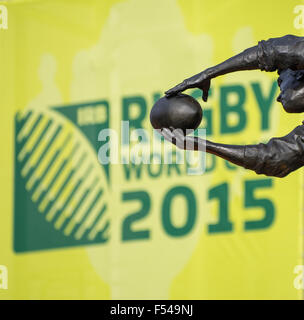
(247, 60)
(277, 158)
(270, 55)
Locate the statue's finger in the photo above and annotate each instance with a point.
(178, 88)
(205, 88)
(167, 134)
(179, 134)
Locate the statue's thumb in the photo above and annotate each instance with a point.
(205, 95)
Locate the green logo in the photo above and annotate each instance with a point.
(61, 190)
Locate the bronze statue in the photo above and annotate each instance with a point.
(279, 156)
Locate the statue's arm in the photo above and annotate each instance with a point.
(278, 157)
(269, 55)
(246, 60)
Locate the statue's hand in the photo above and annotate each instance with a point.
(177, 137)
(200, 81)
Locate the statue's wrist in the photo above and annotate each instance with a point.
(211, 72)
(251, 153)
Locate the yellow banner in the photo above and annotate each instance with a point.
(72, 228)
